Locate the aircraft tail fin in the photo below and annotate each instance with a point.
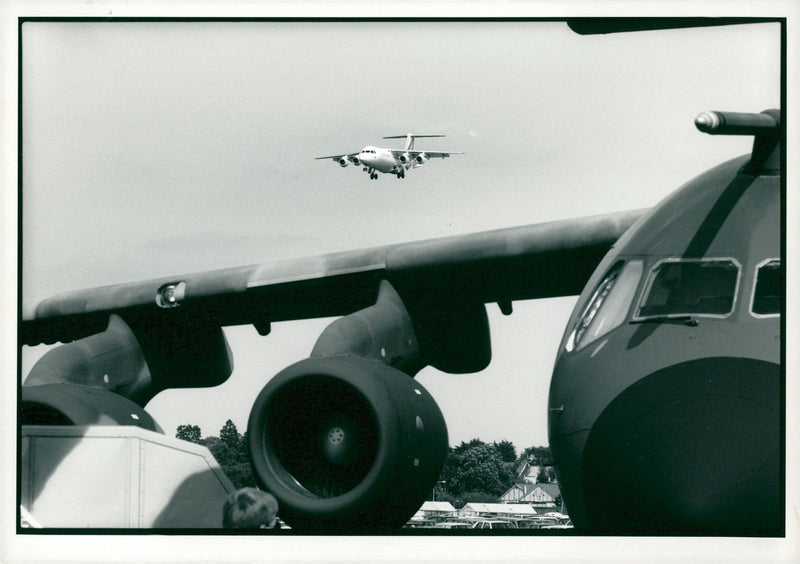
(409, 137)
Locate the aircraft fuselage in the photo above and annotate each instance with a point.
(381, 160)
(664, 408)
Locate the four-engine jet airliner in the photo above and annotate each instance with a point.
(391, 161)
(665, 407)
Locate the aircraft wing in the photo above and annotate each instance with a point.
(536, 261)
(337, 157)
(432, 154)
(319, 425)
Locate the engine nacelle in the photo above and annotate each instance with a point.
(422, 158)
(346, 444)
(137, 359)
(343, 162)
(74, 404)
(405, 158)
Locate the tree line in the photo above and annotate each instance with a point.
(473, 471)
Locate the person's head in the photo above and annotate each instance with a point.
(250, 508)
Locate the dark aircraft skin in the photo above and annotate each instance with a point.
(660, 420)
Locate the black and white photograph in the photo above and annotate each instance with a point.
(513, 284)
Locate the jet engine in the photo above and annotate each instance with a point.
(346, 444)
(346, 439)
(422, 158)
(343, 162)
(405, 158)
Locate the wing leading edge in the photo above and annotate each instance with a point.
(396, 153)
(337, 157)
(536, 261)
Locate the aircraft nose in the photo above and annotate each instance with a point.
(692, 447)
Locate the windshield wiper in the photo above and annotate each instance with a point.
(682, 319)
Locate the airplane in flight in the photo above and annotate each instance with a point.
(391, 161)
(666, 398)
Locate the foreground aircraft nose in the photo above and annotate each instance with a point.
(666, 455)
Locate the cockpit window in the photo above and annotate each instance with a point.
(609, 305)
(767, 295)
(694, 287)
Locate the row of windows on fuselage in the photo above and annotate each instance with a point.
(675, 288)
(708, 287)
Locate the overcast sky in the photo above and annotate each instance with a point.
(155, 149)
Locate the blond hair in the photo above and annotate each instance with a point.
(250, 508)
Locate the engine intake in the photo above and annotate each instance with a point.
(346, 444)
(422, 158)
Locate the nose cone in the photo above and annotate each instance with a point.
(691, 448)
(339, 441)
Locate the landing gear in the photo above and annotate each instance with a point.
(374, 176)
(401, 174)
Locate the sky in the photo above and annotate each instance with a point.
(154, 149)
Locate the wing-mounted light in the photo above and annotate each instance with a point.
(170, 295)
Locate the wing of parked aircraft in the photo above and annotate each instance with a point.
(549, 259)
(404, 307)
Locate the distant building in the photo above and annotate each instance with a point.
(437, 510)
(542, 494)
(526, 472)
(496, 510)
(517, 493)
(542, 497)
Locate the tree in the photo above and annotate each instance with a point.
(460, 500)
(230, 450)
(229, 434)
(189, 433)
(506, 451)
(543, 477)
(537, 456)
(477, 467)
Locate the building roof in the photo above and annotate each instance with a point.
(507, 508)
(437, 506)
(525, 487)
(550, 489)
